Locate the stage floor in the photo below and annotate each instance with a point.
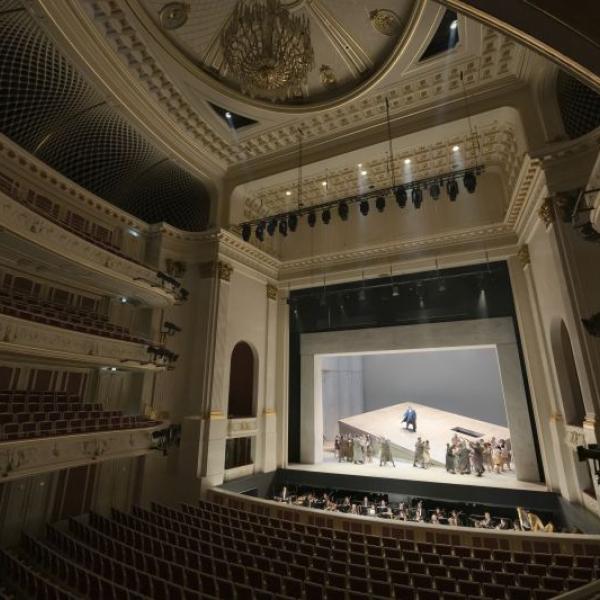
(405, 471)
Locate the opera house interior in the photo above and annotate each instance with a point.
(299, 299)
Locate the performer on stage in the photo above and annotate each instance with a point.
(410, 418)
(419, 449)
(477, 458)
(450, 459)
(386, 454)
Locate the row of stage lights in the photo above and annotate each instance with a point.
(288, 222)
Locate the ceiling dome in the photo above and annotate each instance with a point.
(277, 53)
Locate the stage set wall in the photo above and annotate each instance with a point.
(492, 333)
(463, 381)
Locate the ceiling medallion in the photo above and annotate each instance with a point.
(267, 49)
(385, 21)
(174, 14)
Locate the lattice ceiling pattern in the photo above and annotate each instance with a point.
(52, 112)
(498, 147)
(579, 105)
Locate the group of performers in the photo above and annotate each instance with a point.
(361, 449)
(412, 511)
(464, 457)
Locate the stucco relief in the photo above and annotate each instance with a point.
(28, 457)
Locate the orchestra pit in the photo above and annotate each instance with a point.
(299, 300)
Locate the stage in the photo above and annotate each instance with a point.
(437, 426)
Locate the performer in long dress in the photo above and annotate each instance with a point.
(410, 418)
(450, 459)
(463, 466)
(357, 451)
(426, 455)
(386, 454)
(487, 456)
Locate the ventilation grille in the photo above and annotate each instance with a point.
(51, 111)
(579, 106)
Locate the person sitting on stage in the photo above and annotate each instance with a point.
(386, 454)
(410, 418)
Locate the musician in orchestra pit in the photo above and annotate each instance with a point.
(453, 519)
(504, 524)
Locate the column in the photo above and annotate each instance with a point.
(282, 377)
(269, 416)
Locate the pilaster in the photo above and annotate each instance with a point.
(269, 411)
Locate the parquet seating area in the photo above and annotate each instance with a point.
(32, 308)
(211, 551)
(44, 414)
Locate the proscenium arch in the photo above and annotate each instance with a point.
(243, 379)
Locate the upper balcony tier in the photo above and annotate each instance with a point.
(50, 225)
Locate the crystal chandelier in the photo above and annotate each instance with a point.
(267, 49)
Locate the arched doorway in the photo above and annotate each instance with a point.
(242, 382)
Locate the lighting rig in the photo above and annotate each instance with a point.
(287, 222)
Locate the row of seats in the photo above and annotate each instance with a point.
(214, 552)
(35, 406)
(37, 311)
(31, 396)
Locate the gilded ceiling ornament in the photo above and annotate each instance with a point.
(385, 21)
(174, 15)
(546, 212)
(328, 78)
(267, 49)
(224, 270)
(271, 292)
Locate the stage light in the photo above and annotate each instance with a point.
(343, 211)
(455, 148)
(246, 232)
(363, 172)
(401, 196)
(434, 190)
(312, 219)
(228, 115)
(326, 216)
(395, 290)
(454, 24)
(271, 227)
(452, 189)
(260, 232)
(283, 228)
(417, 197)
(288, 193)
(359, 165)
(364, 207)
(292, 222)
(470, 181)
(407, 161)
(380, 203)
(324, 183)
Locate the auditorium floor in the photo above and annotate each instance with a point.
(405, 470)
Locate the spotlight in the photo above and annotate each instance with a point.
(434, 190)
(228, 115)
(401, 197)
(260, 232)
(454, 25)
(343, 211)
(395, 290)
(363, 172)
(271, 227)
(312, 219)
(246, 232)
(288, 193)
(326, 216)
(455, 148)
(364, 207)
(470, 181)
(380, 203)
(417, 197)
(283, 228)
(407, 161)
(292, 222)
(452, 189)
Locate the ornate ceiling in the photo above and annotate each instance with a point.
(332, 49)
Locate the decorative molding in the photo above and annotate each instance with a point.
(271, 292)
(175, 268)
(556, 417)
(23, 458)
(523, 255)
(590, 422)
(224, 270)
(24, 337)
(546, 212)
(242, 427)
(216, 415)
(269, 412)
(574, 436)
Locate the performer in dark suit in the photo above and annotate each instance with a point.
(410, 418)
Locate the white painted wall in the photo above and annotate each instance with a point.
(461, 381)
